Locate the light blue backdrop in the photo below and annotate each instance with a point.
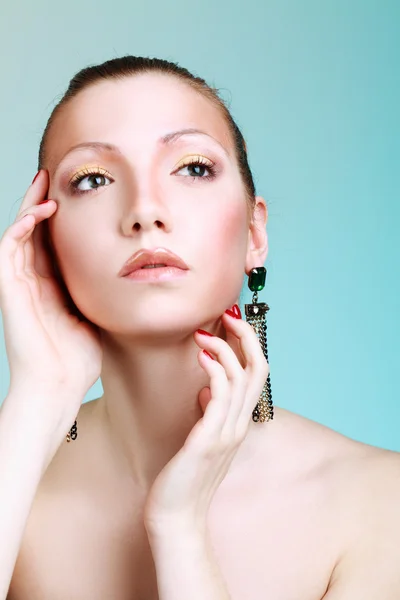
(315, 87)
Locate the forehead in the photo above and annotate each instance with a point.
(134, 110)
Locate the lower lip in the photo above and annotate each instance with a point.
(156, 274)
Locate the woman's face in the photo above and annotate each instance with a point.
(141, 195)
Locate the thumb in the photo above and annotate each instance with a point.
(204, 397)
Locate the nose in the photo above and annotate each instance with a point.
(147, 211)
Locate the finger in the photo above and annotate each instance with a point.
(224, 353)
(237, 379)
(36, 191)
(9, 245)
(34, 256)
(233, 342)
(257, 367)
(39, 254)
(249, 343)
(230, 429)
(204, 397)
(33, 250)
(231, 433)
(216, 410)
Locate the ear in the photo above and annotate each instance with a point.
(257, 248)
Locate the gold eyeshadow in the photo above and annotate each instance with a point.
(92, 169)
(193, 159)
(88, 170)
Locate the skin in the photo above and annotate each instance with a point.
(148, 329)
(319, 508)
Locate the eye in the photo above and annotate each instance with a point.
(196, 164)
(95, 175)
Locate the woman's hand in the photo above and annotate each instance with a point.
(54, 357)
(183, 491)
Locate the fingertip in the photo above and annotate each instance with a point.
(46, 200)
(231, 316)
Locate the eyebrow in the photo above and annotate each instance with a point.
(165, 140)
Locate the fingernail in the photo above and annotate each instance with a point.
(235, 312)
(204, 332)
(34, 179)
(235, 308)
(43, 201)
(208, 354)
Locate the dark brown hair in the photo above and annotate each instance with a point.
(126, 66)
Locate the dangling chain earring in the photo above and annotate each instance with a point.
(73, 432)
(255, 315)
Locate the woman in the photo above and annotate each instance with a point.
(153, 500)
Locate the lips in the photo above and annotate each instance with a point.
(144, 257)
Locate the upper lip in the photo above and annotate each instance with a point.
(152, 257)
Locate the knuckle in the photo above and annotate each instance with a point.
(209, 451)
(240, 433)
(30, 210)
(226, 441)
(21, 214)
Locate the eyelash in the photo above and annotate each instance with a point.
(199, 161)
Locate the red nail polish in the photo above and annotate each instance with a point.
(204, 332)
(34, 179)
(233, 314)
(208, 354)
(43, 201)
(235, 308)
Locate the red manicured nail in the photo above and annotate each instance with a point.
(235, 308)
(232, 314)
(34, 179)
(43, 201)
(204, 332)
(208, 354)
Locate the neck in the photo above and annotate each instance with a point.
(150, 401)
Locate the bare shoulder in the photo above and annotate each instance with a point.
(351, 461)
(363, 483)
(369, 565)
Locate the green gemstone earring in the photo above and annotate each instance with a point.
(255, 315)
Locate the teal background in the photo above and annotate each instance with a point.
(315, 88)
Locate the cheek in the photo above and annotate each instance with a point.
(223, 254)
(227, 234)
(74, 248)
